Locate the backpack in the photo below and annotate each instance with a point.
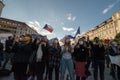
(112, 52)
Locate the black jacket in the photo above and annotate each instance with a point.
(22, 52)
(80, 54)
(8, 46)
(98, 52)
(1, 47)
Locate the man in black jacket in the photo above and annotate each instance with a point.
(8, 50)
(99, 59)
(22, 50)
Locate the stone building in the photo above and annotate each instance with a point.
(106, 30)
(15, 27)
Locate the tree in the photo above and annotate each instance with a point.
(117, 38)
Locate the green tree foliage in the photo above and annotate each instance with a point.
(117, 38)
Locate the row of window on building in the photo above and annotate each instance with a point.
(15, 27)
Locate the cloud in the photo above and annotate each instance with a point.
(67, 29)
(30, 22)
(74, 32)
(70, 17)
(37, 23)
(109, 7)
(36, 26)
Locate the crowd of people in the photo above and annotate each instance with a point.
(33, 58)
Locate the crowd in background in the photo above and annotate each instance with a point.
(32, 58)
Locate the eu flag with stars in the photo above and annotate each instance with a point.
(78, 32)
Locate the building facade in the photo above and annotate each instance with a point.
(15, 27)
(106, 30)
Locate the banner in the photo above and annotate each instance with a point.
(115, 59)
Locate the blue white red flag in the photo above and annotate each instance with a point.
(48, 28)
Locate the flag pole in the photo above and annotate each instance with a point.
(41, 30)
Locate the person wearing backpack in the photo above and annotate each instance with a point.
(114, 50)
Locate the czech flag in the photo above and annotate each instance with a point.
(48, 28)
(66, 37)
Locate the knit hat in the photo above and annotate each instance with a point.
(27, 38)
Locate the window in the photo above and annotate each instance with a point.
(104, 27)
(107, 26)
(3, 21)
(117, 15)
(8, 23)
(14, 24)
(18, 24)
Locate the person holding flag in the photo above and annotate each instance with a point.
(66, 60)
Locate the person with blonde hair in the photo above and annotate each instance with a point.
(54, 59)
(41, 58)
(66, 60)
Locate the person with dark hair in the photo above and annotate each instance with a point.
(48, 45)
(89, 45)
(8, 50)
(99, 59)
(32, 60)
(41, 59)
(54, 59)
(80, 58)
(1, 52)
(22, 50)
(66, 60)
